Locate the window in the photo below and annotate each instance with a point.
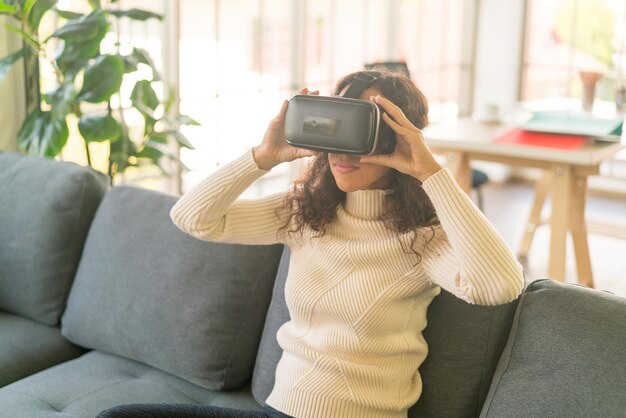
(565, 38)
(234, 73)
(239, 59)
(430, 39)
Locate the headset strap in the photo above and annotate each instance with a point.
(360, 82)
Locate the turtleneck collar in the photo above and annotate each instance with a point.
(365, 204)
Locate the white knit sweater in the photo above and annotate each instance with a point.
(357, 300)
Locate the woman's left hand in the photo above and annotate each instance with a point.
(411, 156)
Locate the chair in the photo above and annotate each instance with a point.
(478, 179)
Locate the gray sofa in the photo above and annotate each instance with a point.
(103, 302)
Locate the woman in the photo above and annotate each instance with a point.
(373, 239)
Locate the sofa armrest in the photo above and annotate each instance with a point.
(565, 355)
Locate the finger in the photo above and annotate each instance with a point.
(315, 92)
(303, 90)
(280, 117)
(384, 160)
(397, 128)
(394, 111)
(283, 110)
(307, 153)
(302, 153)
(386, 104)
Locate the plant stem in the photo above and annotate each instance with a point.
(88, 154)
(124, 126)
(53, 63)
(110, 169)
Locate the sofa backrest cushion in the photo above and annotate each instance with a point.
(46, 208)
(565, 356)
(269, 350)
(465, 342)
(146, 291)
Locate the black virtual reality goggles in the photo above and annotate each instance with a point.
(339, 124)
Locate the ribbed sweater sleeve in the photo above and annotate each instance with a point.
(211, 211)
(474, 263)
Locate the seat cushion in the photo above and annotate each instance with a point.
(147, 291)
(465, 342)
(565, 356)
(27, 347)
(45, 212)
(97, 381)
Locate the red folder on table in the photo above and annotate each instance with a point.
(542, 139)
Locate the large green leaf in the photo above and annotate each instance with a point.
(187, 120)
(74, 56)
(154, 151)
(181, 139)
(7, 8)
(82, 29)
(143, 96)
(78, 49)
(43, 135)
(69, 15)
(150, 123)
(27, 5)
(102, 79)
(36, 10)
(99, 128)
(29, 38)
(136, 14)
(130, 63)
(62, 100)
(142, 57)
(160, 137)
(9, 60)
(121, 151)
(150, 152)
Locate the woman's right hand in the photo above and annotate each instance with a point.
(274, 150)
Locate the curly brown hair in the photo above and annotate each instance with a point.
(314, 198)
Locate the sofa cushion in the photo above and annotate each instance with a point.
(269, 350)
(147, 291)
(565, 356)
(27, 347)
(45, 212)
(465, 342)
(97, 381)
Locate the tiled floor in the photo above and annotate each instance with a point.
(507, 205)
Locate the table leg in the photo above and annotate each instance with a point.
(578, 230)
(559, 220)
(534, 220)
(459, 165)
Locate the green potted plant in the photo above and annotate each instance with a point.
(87, 78)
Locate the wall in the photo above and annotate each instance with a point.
(499, 53)
(12, 99)
(499, 47)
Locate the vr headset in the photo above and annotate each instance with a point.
(339, 124)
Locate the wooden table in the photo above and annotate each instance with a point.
(566, 173)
